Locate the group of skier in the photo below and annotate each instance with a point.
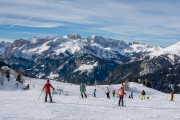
(120, 93)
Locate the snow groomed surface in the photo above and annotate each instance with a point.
(17, 104)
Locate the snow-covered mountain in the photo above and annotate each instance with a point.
(3, 46)
(172, 53)
(75, 59)
(161, 66)
(171, 50)
(139, 47)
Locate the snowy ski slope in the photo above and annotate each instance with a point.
(16, 104)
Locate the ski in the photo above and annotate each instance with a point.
(49, 102)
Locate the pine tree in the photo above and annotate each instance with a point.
(95, 83)
(126, 84)
(149, 84)
(144, 83)
(135, 80)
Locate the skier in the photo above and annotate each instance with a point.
(47, 89)
(18, 78)
(7, 75)
(172, 95)
(143, 95)
(94, 92)
(83, 90)
(121, 94)
(107, 91)
(131, 96)
(113, 93)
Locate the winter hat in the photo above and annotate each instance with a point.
(48, 80)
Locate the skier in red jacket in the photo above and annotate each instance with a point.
(121, 94)
(47, 89)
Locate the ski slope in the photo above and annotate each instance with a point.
(17, 104)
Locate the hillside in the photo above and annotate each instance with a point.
(24, 105)
(161, 68)
(72, 58)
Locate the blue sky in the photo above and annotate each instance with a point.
(155, 22)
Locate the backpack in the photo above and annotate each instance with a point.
(120, 92)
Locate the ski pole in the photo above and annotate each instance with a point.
(40, 95)
(114, 101)
(125, 99)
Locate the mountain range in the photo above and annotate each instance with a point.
(74, 59)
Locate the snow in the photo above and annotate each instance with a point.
(171, 50)
(70, 46)
(86, 67)
(17, 104)
(52, 75)
(33, 40)
(142, 48)
(40, 49)
(40, 75)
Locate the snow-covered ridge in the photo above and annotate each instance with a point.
(73, 43)
(172, 53)
(138, 47)
(3, 46)
(86, 67)
(171, 50)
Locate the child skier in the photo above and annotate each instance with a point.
(107, 91)
(47, 89)
(143, 95)
(172, 96)
(94, 92)
(113, 93)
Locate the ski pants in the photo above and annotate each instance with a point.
(113, 95)
(121, 99)
(107, 95)
(49, 96)
(171, 98)
(84, 94)
(94, 94)
(143, 97)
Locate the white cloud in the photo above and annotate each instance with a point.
(103, 13)
(6, 40)
(128, 18)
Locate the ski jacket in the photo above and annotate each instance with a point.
(47, 87)
(172, 94)
(18, 77)
(82, 87)
(114, 92)
(143, 92)
(94, 91)
(121, 92)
